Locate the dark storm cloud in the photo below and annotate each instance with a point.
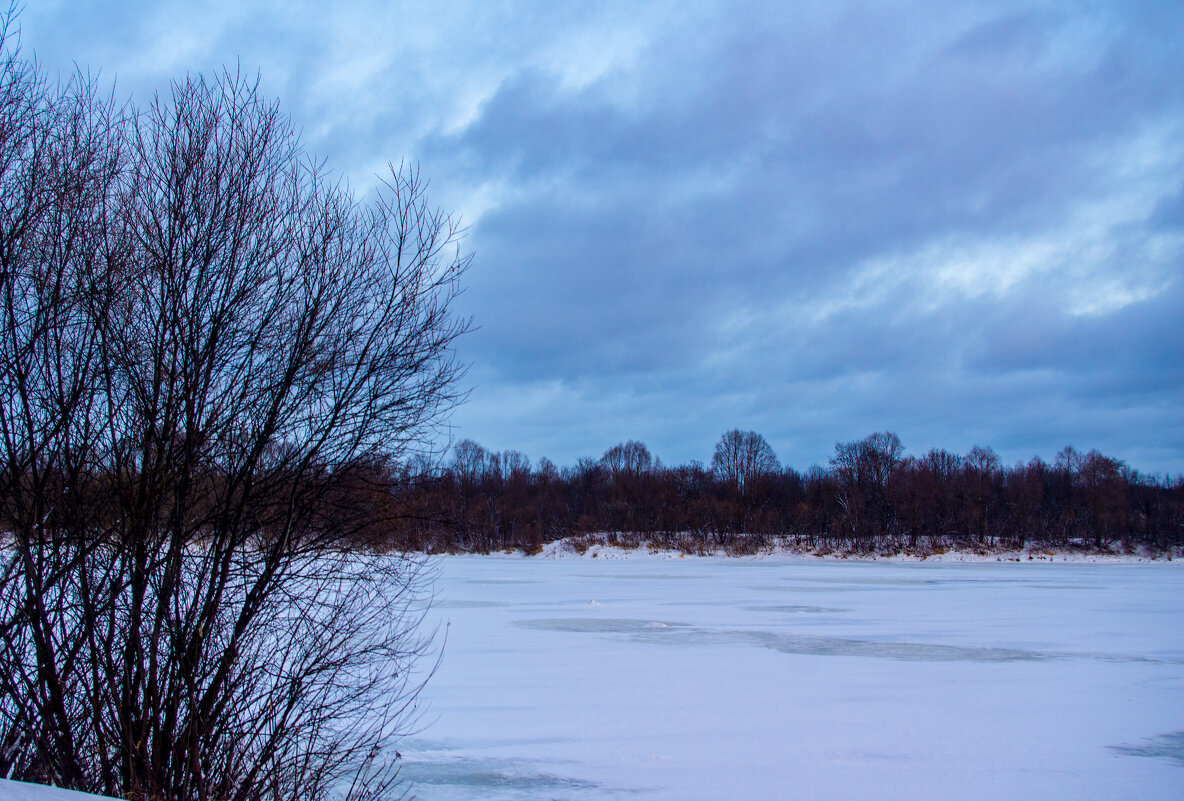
(960, 221)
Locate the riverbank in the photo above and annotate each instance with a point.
(612, 546)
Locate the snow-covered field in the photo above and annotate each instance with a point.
(805, 679)
(666, 679)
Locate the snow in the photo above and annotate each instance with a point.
(708, 678)
(563, 549)
(655, 677)
(21, 791)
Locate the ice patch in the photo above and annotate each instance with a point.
(500, 581)
(795, 609)
(805, 645)
(795, 588)
(647, 577)
(504, 776)
(854, 582)
(593, 625)
(1168, 746)
(904, 651)
(469, 604)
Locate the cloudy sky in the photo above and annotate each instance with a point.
(959, 221)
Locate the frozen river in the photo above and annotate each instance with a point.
(806, 679)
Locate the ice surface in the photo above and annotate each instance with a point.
(22, 791)
(727, 679)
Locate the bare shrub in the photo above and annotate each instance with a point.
(207, 340)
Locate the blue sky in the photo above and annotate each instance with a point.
(962, 222)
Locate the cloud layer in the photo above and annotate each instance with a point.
(961, 222)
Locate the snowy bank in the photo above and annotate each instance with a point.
(603, 547)
(22, 791)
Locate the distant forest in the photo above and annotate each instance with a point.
(870, 497)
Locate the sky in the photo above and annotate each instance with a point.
(962, 222)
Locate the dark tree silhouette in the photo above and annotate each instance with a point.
(211, 350)
(742, 459)
(627, 461)
(863, 470)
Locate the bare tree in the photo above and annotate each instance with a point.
(742, 458)
(982, 486)
(468, 461)
(1102, 484)
(863, 470)
(205, 336)
(744, 462)
(59, 165)
(627, 461)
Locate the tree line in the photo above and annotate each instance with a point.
(870, 496)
